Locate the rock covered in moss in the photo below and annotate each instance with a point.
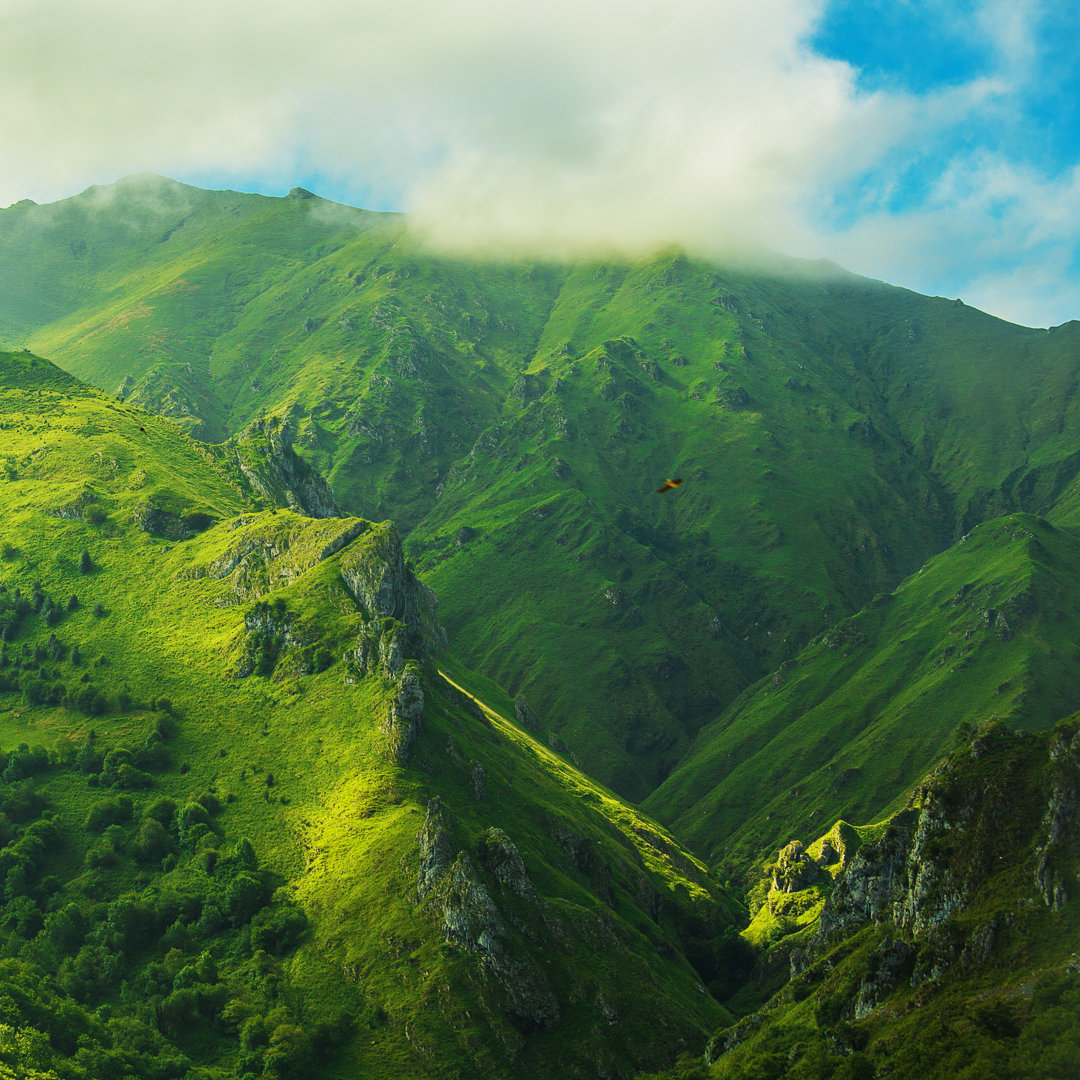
(265, 455)
(794, 869)
(401, 723)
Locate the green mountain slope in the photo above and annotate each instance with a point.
(246, 828)
(517, 418)
(990, 627)
(941, 943)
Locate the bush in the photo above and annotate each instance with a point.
(90, 700)
(245, 895)
(86, 564)
(162, 810)
(106, 812)
(189, 819)
(89, 758)
(278, 930)
(152, 842)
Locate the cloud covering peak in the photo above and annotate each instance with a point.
(579, 126)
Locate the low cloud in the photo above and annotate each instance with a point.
(576, 127)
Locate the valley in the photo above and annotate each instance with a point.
(361, 726)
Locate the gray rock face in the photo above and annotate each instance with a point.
(794, 869)
(505, 862)
(158, 522)
(435, 852)
(398, 626)
(401, 724)
(888, 964)
(264, 452)
(261, 560)
(276, 625)
(452, 889)
(934, 857)
(76, 509)
(1060, 814)
(524, 715)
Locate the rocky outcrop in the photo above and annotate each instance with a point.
(1061, 806)
(167, 525)
(452, 889)
(398, 612)
(934, 859)
(524, 715)
(264, 453)
(76, 509)
(794, 869)
(401, 722)
(271, 550)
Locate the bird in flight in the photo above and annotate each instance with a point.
(669, 485)
(142, 429)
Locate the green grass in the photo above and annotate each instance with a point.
(989, 627)
(834, 433)
(298, 767)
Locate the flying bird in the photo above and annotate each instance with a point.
(669, 485)
(142, 429)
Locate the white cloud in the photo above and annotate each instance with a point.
(576, 125)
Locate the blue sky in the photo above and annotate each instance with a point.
(935, 145)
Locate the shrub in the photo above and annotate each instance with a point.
(106, 812)
(86, 564)
(278, 930)
(35, 691)
(131, 779)
(90, 700)
(162, 810)
(244, 896)
(189, 819)
(152, 841)
(73, 602)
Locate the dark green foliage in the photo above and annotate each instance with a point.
(278, 930)
(90, 700)
(112, 811)
(86, 563)
(25, 762)
(162, 810)
(90, 757)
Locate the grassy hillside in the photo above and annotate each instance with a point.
(990, 627)
(941, 943)
(248, 829)
(516, 419)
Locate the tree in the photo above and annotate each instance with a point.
(86, 564)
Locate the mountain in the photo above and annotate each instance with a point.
(939, 943)
(247, 827)
(516, 418)
(265, 811)
(991, 627)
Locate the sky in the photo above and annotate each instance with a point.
(933, 144)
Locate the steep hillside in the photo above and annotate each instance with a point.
(990, 627)
(940, 943)
(516, 419)
(247, 828)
